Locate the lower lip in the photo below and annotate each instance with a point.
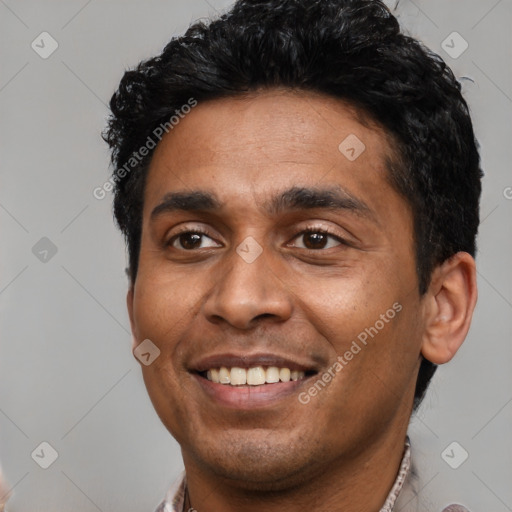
(249, 397)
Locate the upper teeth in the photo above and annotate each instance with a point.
(255, 376)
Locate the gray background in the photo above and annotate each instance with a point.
(67, 373)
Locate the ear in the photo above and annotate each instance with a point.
(129, 305)
(449, 305)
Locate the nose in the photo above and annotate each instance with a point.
(245, 292)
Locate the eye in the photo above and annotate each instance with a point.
(315, 239)
(190, 240)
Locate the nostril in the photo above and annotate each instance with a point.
(264, 315)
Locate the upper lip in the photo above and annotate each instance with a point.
(230, 360)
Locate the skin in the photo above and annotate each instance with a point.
(342, 450)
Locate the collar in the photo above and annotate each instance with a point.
(175, 498)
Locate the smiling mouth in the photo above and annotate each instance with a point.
(253, 376)
(251, 381)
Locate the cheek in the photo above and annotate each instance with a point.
(388, 360)
(370, 325)
(379, 369)
(342, 308)
(165, 394)
(161, 305)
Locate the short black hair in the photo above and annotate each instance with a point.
(352, 50)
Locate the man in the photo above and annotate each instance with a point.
(298, 184)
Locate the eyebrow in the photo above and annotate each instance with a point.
(295, 198)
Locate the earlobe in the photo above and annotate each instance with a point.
(449, 305)
(129, 305)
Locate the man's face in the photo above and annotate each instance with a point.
(258, 283)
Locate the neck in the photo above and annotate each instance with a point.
(357, 484)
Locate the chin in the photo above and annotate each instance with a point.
(258, 462)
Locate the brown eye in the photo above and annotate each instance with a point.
(190, 240)
(317, 239)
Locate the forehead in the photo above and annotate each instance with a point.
(271, 140)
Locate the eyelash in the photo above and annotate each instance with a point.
(308, 230)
